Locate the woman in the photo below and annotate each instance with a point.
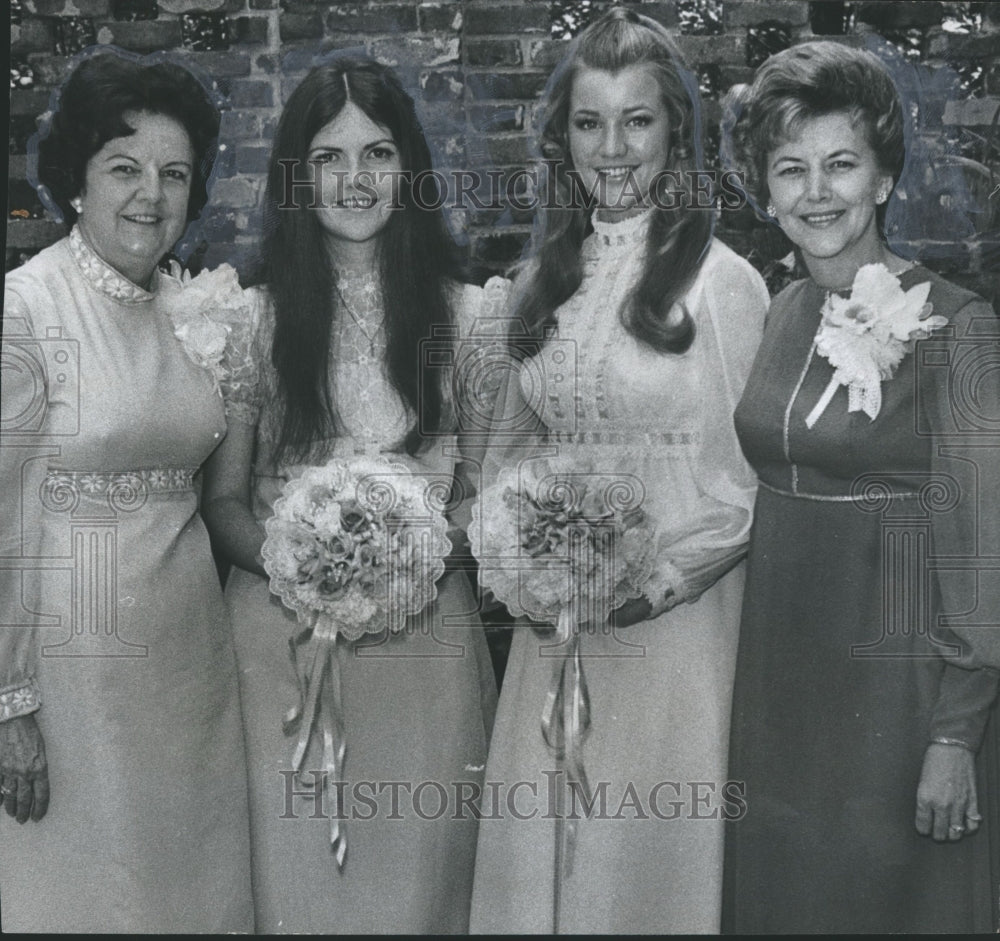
(847, 705)
(662, 323)
(113, 616)
(359, 279)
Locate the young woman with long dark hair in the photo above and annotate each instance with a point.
(357, 275)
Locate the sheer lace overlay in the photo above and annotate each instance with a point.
(666, 419)
(372, 417)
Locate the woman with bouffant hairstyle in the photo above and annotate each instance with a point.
(857, 712)
(90, 113)
(121, 746)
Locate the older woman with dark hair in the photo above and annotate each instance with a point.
(91, 113)
(869, 417)
(117, 674)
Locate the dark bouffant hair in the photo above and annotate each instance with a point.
(91, 110)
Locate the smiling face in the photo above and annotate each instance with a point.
(358, 159)
(619, 135)
(134, 202)
(824, 182)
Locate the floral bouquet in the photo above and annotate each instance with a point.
(353, 548)
(560, 542)
(866, 336)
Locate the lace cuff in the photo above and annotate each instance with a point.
(670, 584)
(666, 587)
(21, 700)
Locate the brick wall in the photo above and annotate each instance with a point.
(477, 68)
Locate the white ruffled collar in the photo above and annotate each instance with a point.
(105, 278)
(627, 232)
(355, 274)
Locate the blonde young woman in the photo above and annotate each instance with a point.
(641, 329)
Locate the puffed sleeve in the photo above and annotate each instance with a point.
(959, 389)
(240, 369)
(23, 404)
(482, 316)
(728, 304)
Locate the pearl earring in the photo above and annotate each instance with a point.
(77, 204)
(880, 197)
(771, 211)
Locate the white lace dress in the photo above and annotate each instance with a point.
(111, 609)
(417, 708)
(650, 857)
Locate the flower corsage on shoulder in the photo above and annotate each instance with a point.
(866, 335)
(211, 317)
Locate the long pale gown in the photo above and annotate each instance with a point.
(112, 612)
(650, 858)
(417, 708)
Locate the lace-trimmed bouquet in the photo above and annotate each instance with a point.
(866, 336)
(561, 542)
(353, 548)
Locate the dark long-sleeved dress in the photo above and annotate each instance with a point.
(867, 540)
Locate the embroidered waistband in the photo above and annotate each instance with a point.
(123, 490)
(19, 701)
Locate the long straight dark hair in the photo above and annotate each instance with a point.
(416, 259)
(677, 238)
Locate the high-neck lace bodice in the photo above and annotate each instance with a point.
(368, 407)
(665, 418)
(372, 417)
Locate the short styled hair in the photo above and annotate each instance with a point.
(91, 110)
(808, 81)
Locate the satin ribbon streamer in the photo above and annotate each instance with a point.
(565, 724)
(320, 699)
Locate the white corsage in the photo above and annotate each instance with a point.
(866, 336)
(205, 311)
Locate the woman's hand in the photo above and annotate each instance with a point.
(946, 795)
(632, 612)
(24, 772)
